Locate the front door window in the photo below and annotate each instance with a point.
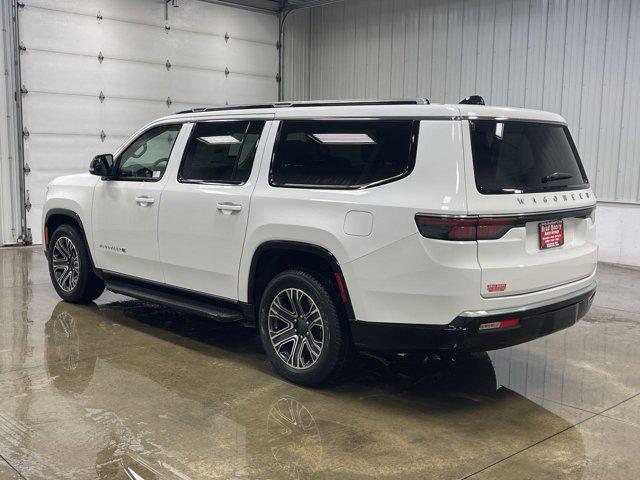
(147, 157)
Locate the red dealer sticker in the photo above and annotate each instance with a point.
(496, 287)
(551, 234)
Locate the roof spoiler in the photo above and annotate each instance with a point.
(472, 100)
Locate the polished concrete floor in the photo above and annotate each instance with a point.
(127, 390)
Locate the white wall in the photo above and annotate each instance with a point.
(579, 58)
(216, 54)
(618, 233)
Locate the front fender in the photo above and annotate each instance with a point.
(72, 196)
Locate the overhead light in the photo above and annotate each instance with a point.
(219, 140)
(341, 138)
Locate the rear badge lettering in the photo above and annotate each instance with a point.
(564, 198)
(496, 287)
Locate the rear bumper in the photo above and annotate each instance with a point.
(463, 334)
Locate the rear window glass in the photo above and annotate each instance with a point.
(343, 153)
(524, 157)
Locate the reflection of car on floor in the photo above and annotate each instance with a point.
(148, 424)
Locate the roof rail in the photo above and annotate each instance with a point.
(311, 103)
(225, 107)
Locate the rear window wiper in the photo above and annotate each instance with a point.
(556, 176)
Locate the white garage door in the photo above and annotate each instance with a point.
(97, 70)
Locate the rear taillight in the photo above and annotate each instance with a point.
(471, 227)
(491, 228)
(467, 228)
(447, 228)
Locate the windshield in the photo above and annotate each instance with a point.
(524, 157)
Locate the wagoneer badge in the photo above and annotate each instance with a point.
(559, 198)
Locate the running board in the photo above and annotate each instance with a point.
(179, 300)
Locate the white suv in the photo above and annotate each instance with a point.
(339, 226)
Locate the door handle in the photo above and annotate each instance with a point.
(144, 201)
(229, 207)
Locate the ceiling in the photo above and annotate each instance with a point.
(272, 6)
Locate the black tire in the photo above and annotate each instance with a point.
(334, 330)
(88, 286)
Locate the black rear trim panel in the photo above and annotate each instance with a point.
(462, 333)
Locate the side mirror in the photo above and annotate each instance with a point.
(102, 165)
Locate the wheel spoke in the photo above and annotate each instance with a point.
(59, 254)
(310, 310)
(279, 338)
(296, 354)
(63, 266)
(280, 312)
(313, 347)
(314, 319)
(291, 295)
(287, 356)
(66, 278)
(64, 248)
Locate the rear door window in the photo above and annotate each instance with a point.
(524, 157)
(221, 152)
(343, 153)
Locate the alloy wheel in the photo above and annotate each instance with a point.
(296, 328)
(66, 266)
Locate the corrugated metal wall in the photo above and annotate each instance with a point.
(297, 55)
(580, 58)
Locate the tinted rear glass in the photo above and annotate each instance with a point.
(524, 157)
(343, 153)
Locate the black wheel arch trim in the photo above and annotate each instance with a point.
(76, 218)
(311, 248)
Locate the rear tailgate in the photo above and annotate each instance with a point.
(520, 263)
(526, 183)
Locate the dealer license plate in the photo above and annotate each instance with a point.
(551, 234)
